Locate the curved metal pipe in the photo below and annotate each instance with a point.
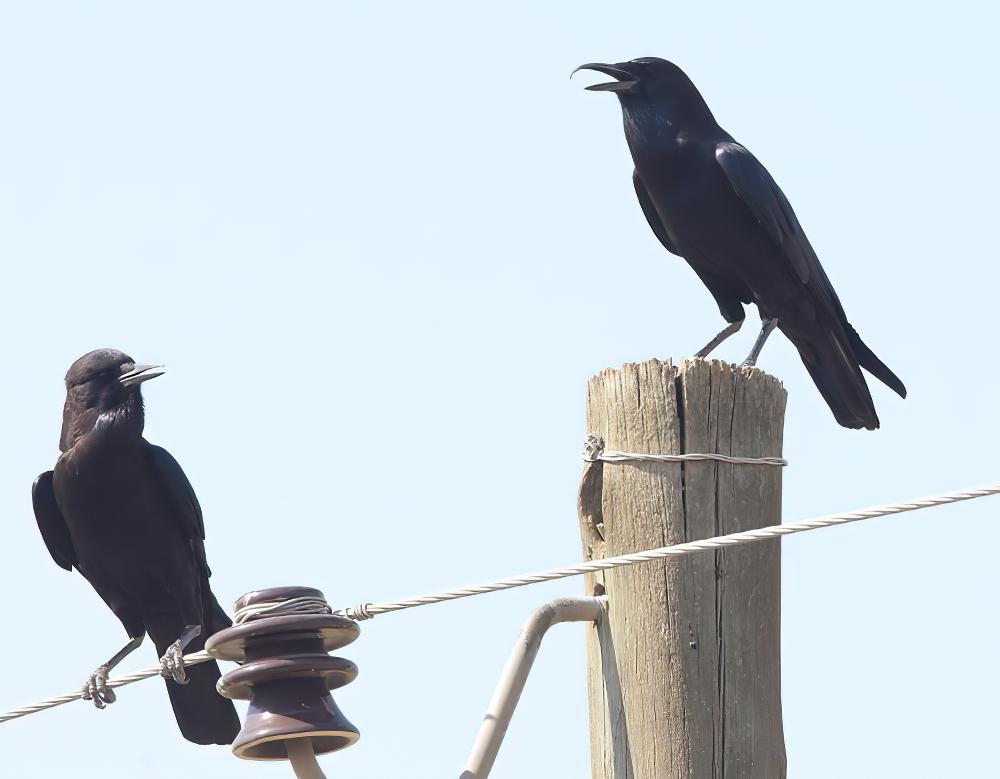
(515, 674)
(303, 759)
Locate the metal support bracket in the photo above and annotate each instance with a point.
(515, 674)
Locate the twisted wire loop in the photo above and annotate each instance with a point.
(358, 613)
(281, 608)
(593, 450)
(369, 610)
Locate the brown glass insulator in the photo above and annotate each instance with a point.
(287, 675)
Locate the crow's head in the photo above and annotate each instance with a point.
(102, 381)
(650, 81)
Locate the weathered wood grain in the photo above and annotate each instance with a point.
(685, 675)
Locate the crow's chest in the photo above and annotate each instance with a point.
(699, 208)
(111, 501)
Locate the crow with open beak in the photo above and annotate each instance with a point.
(708, 200)
(121, 511)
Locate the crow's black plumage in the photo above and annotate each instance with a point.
(121, 511)
(711, 202)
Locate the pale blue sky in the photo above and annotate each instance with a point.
(381, 247)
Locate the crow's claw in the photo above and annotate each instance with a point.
(96, 688)
(172, 664)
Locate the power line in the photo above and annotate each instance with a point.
(369, 610)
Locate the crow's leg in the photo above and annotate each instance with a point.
(172, 662)
(729, 330)
(96, 689)
(766, 327)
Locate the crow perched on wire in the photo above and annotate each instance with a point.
(122, 512)
(711, 202)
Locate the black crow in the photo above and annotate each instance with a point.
(121, 511)
(711, 202)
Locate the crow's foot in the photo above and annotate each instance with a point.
(172, 664)
(96, 688)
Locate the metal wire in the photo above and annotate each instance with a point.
(593, 450)
(369, 610)
(612, 456)
(192, 659)
(282, 607)
(247, 613)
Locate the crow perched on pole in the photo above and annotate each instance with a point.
(711, 202)
(122, 512)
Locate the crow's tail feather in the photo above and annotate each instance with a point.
(216, 616)
(871, 363)
(835, 371)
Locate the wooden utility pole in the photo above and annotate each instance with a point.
(685, 674)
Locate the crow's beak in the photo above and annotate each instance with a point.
(626, 81)
(141, 373)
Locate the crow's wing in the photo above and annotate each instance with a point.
(181, 499)
(649, 210)
(755, 187)
(50, 521)
(769, 206)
